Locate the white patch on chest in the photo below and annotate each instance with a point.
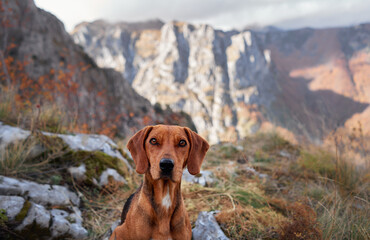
(166, 201)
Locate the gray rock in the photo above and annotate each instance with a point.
(109, 172)
(85, 142)
(78, 173)
(36, 214)
(76, 216)
(9, 134)
(77, 231)
(12, 205)
(285, 154)
(43, 194)
(60, 226)
(204, 178)
(63, 223)
(92, 142)
(207, 228)
(63, 227)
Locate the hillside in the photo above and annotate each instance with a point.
(263, 187)
(43, 66)
(306, 82)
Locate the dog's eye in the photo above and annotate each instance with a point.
(182, 143)
(153, 141)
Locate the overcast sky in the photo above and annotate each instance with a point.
(224, 14)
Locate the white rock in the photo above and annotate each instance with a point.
(12, 205)
(207, 228)
(60, 225)
(76, 216)
(109, 172)
(78, 173)
(9, 134)
(92, 142)
(77, 231)
(36, 214)
(43, 194)
(85, 142)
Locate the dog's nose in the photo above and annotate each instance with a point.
(166, 165)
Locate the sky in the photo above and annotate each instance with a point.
(221, 14)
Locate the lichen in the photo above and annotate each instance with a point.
(24, 211)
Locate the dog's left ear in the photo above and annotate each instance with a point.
(198, 149)
(136, 146)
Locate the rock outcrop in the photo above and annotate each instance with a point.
(42, 209)
(28, 207)
(76, 146)
(234, 83)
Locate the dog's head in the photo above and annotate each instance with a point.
(165, 150)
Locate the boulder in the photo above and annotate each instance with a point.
(27, 206)
(207, 228)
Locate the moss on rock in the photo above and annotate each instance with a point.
(3, 217)
(96, 162)
(24, 211)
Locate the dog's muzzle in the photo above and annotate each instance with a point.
(166, 166)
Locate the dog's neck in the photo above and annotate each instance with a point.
(165, 198)
(163, 194)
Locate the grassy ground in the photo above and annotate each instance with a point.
(295, 192)
(306, 193)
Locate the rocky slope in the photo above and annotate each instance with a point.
(102, 96)
(233, 83)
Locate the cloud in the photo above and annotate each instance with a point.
(219, 13)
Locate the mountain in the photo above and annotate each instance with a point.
(102, 96)
(306, 82)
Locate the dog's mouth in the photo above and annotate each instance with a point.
(166, 176)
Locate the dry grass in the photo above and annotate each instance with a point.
(310, 192)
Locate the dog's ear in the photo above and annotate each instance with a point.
(198, 149)
(136, 145)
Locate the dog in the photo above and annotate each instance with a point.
(156, 210)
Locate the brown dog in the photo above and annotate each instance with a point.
(156, 210)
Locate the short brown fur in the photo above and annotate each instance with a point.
(157, 210)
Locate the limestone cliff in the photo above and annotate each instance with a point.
(234, 83)
(221, 79)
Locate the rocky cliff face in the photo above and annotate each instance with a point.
(221, 79)
(102, 96)
(233, 83)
